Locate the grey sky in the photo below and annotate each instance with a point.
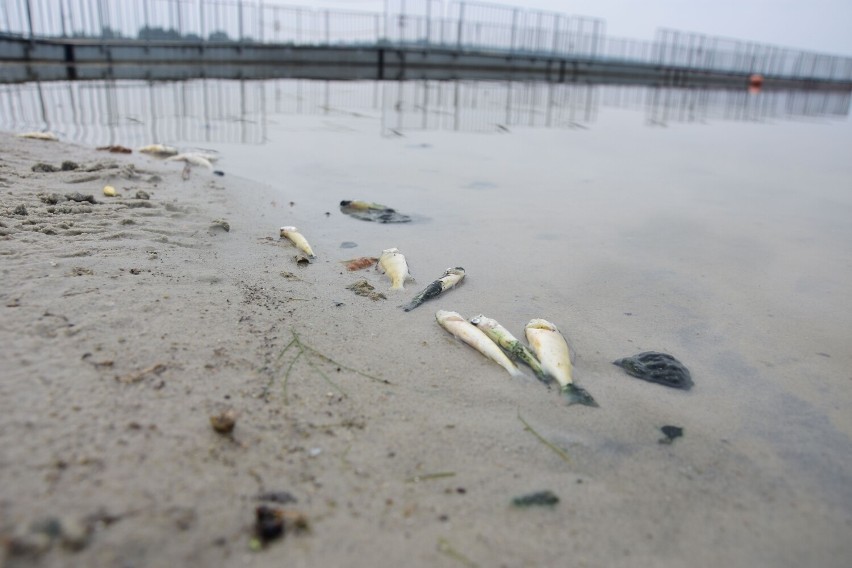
(818, 25)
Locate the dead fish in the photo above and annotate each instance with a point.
(39, 136)
(194, 159)
(473, 336)
(392, 263)
(360, 263)
(364, 205)
(511, 345)
(376, 212)
(657, 368)
(552, 350)
(115, 149)
(159, 150)
(450, 278)
(296, 237)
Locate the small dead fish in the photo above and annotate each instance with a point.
(159, 150)
(511, 345)
(202, 160)
(39, 136)
(473, 336)
(392, 263)
(364, 205)
(360, 263)
(657, 368)
(115, 149)
(552, 350)
(376, 212)
(296, 237)
(451, 277)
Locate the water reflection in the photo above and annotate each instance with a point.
(215, 111)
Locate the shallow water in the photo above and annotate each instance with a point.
(712, 226)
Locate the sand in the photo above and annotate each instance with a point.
(128, 323)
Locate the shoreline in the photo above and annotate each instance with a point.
(131, 324)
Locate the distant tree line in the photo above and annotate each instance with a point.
(158, 33)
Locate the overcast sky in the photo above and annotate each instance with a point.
(818, 25)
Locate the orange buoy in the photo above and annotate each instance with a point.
(755, 82)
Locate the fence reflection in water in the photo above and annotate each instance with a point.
(219, 111)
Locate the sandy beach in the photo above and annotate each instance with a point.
(129, 322)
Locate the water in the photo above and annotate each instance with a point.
(710, 225)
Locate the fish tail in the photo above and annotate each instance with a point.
(418, 299)
(578, 395)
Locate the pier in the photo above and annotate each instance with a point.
(172, 40)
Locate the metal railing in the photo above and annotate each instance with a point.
(458, 24)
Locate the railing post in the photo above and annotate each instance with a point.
(240, 18)
(428, 22)
(201, 18)
(555, 48)
(514, 29)
(30, 18)
(327, 28)
(260, 21)
(461, 26)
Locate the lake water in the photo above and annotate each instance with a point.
(713, 225)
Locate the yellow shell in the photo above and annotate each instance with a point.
(109, 191)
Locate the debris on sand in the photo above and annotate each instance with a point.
(20, 210)
(538, 499)
(276, 497)
(225, 421)
(657, 367)
(272, 523)
(79, 197)
(109, 191)
(671, 433)
(364, 288)
(220, 224)
(360, 263)
(137, 376)
(69, 166)
(376, 212)
(42, 167)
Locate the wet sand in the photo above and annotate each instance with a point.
(629, 238)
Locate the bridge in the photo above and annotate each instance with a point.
(412, 39)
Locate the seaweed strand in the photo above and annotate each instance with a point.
(559, 451)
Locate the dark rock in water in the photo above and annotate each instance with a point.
(670, 433)
(540, 498)
(657, 368)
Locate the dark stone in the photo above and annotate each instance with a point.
(657, 368)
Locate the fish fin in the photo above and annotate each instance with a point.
(578, 395)
(544, 378)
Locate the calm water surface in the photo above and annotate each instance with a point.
(711, 225)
